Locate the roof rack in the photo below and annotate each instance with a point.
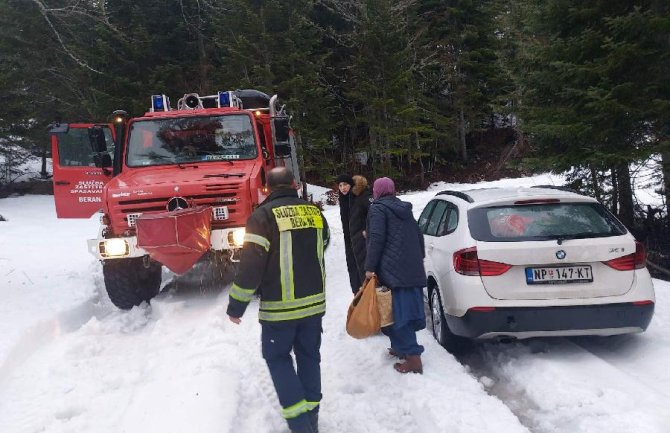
(458, 194)
(560, 188)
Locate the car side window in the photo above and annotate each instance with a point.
(452, 223)
(436, 217)
(423, 219)
(449, 221)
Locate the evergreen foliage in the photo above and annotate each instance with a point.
(380, 87)
(595, 83)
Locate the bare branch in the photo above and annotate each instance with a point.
(44, 12)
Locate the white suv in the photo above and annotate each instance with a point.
(530, 262)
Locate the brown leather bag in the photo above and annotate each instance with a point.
(363, 319)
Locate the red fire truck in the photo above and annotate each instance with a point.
(175, 185)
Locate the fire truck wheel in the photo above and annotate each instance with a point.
(129, 282)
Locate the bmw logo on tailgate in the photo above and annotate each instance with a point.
(177, 203)
(560, 254)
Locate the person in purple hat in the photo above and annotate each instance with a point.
(395, 253)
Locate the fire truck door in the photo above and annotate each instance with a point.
(77, 181)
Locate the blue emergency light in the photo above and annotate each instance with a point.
(159, 103)
(225, 99)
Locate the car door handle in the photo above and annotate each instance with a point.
(62, 182)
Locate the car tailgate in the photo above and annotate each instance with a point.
(582, 259)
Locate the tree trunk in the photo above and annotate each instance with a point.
(422, 172)
(594, 183)
(665, 164)
(43, 171)
(625, 195)
(461, 127)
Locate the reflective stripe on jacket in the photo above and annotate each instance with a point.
(282, 258)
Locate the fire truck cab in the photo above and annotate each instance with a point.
(173, 185)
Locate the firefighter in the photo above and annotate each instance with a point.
(282, 259)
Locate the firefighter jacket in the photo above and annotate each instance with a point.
(282, 258)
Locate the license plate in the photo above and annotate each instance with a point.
(559, 275)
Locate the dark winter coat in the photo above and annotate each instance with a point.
(282, 258)
(344, 201)
(395, 244)
(358, 215)
(354, 276)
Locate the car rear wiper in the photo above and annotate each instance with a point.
(583, 235)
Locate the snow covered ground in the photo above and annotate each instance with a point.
(71, 362)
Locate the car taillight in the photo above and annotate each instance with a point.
(636, 260)
(538, 201)
(640, 303)
(490, 269)
(466, 262)
(482, 309)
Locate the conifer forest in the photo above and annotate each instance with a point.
(419, 90)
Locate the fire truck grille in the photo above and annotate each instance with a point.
(223, 199)
(219, 213)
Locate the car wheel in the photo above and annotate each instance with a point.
(447, 339)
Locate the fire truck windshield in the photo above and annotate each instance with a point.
(191, 139)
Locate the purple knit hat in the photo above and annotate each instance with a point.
(383, 186)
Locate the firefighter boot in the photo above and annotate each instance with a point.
(314, 420)
(412, 364)
(305, 428)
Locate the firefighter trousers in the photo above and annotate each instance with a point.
(299, 391)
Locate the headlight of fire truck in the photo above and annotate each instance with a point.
(236, 237)
(114, 248)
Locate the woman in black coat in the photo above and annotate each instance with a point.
(358, 215)
(344, 184)
(395, 254)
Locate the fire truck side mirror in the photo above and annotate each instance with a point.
(283, 149)
(281, 129)
(282, 138)
(96, 137)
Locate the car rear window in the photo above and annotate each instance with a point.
(512, 223)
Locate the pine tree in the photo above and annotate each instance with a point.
(462, 41)
(275, 46)
(593, 84)
(42, 74)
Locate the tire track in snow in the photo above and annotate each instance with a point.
(553, 385)
(619, 352)
(511, 396)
